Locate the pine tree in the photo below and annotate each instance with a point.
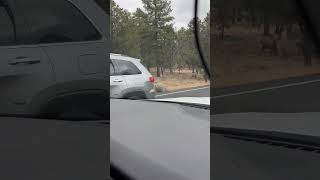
(158, 16)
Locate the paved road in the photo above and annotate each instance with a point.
(194, 92)
(283, 96)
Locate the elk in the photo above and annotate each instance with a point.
(269, 42)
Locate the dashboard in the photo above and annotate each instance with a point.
(159, 140)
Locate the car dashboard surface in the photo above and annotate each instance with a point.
(158, 140)
(53, 149)
(243, 156)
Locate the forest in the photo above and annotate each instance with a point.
(149, 34)
(259, 40)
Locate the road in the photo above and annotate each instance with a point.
(193, 92)
(301, 94)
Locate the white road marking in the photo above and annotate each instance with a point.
(266, 89)
(192, 100)
(177, 92)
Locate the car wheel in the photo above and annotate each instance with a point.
(136, 96)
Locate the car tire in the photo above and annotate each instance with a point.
(135, 96)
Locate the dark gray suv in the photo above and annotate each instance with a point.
(52, 56)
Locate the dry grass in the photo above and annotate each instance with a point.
(182, 80)
(249, 70)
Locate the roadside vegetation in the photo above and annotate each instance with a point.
(260, 40)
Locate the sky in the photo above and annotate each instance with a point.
(182, 9)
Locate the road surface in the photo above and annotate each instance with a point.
(291, 95)
(194, 92)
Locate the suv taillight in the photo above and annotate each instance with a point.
(152, 79)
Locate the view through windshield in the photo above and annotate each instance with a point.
(153, 49)
(264, 56)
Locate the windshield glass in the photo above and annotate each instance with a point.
(264, 56)
(153, 49)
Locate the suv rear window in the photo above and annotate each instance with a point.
(54, 21)
(104, 4)
(127, 68)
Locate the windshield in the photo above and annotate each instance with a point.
(265, 56)
(154, 54)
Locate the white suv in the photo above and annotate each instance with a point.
(52, 56)
(129, 79)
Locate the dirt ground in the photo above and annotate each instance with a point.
(182, 80)
(249, 70)
(237, 60)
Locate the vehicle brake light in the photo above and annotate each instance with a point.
(152, 79)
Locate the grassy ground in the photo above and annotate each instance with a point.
(175, 81)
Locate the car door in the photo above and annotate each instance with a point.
(25, 70)
(117, 82)
(132, 75)
(73, 35)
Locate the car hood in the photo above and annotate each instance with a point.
(189, 100)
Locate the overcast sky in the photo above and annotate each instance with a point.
(182, 9)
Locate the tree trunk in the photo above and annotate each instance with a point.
(266, 29)
(279, 30)
(158, 71)
(252, 17)
(170, 68)
(222, 32)
(306, 45)
(289, 31)
(193, 72)
(234, 16)
(266, 25)
(205, 77)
